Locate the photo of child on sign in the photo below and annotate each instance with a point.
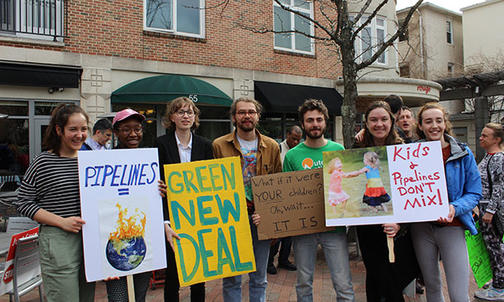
(356, 183)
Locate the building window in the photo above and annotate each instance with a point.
(286, 22)
(40, 19)
(404, 71)
(449, 32)
(180, 17)
(450, 69)
(370, 39)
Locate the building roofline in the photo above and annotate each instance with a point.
(484, 3)
(433, 7)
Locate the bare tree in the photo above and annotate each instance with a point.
(336, 26)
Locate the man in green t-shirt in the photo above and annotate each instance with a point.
(313, 116)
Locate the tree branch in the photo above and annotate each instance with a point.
(369, 19)
(391, 40)
(362, 11)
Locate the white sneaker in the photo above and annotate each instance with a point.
(490, 294)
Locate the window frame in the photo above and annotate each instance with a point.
(449, 32)
(174, 30)
(293, 24)
(359, 50)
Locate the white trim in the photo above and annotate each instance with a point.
(374, 27)
(174, 30)
(293, 19)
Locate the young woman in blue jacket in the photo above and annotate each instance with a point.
(445, 238)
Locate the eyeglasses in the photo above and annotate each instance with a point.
(127, 131)
(243, 113)
(181, 113)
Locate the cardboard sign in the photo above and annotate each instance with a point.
(478, 257)
(29, 271)
(208, 211)
(290, 203)
(121, 204)
(399, 183)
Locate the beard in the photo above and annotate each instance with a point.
(246, 128)
(322, 132)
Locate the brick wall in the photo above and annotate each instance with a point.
(115, 28)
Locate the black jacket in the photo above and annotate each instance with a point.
(168, 154)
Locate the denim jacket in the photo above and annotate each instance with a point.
(463, 182)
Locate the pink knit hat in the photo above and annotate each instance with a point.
(126, 113)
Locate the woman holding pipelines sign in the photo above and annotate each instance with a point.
(49, 194)
(445, 238)
(385, 281)
(180, 145)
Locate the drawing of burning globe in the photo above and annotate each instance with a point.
(126, 246)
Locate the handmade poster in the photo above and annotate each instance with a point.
(478, 257)
(399, 183)
(290, 203)
(122, 207)
(208, 210)
(29, 270)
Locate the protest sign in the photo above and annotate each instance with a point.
(30, 270)
(208, 210)
(399, 183)
(290, 203)
(478, 257)
(121, 204)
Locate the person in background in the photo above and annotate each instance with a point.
(406, 123)
(102, 134)
(294, 135)
(127, 126)
(49, 194)
(180, 145)
(313, 117)
(491, 207)
(446, 237)
(260, 155)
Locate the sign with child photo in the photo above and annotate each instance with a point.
(398, 183)
(208, 210)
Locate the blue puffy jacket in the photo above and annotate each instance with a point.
(463, 182)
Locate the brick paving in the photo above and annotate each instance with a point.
(281, 287)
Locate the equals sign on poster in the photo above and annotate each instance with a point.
(123, 191)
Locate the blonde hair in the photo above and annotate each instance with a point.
(332, 162)
(372, 158)
(498, 131)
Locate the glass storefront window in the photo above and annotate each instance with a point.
(14, 108)
(45, 108)
(14, 152)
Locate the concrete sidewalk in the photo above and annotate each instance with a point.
(281, 287)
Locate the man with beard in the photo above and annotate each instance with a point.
(259, 155)
(406, 122)
(313, 116)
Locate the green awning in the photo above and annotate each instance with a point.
(164, 88)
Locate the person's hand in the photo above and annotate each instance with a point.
(487, 218)
(391, 229)
(256, 219)
(111, 278)
(162, 188)
(451, 215)
(72, 224)
(170, 233)
(359, 137)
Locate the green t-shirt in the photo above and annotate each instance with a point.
(303, 157)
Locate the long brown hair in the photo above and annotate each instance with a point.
(59, 118)
(392, 137)
(432, 105)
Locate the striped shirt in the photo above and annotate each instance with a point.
(50, 183)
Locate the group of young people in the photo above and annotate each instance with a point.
(49, 194)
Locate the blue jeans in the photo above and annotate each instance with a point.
(257, 284)
(336, 255)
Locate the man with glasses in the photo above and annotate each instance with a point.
(259, 155)
(102, 134)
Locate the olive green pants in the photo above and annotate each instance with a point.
(62, 265)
